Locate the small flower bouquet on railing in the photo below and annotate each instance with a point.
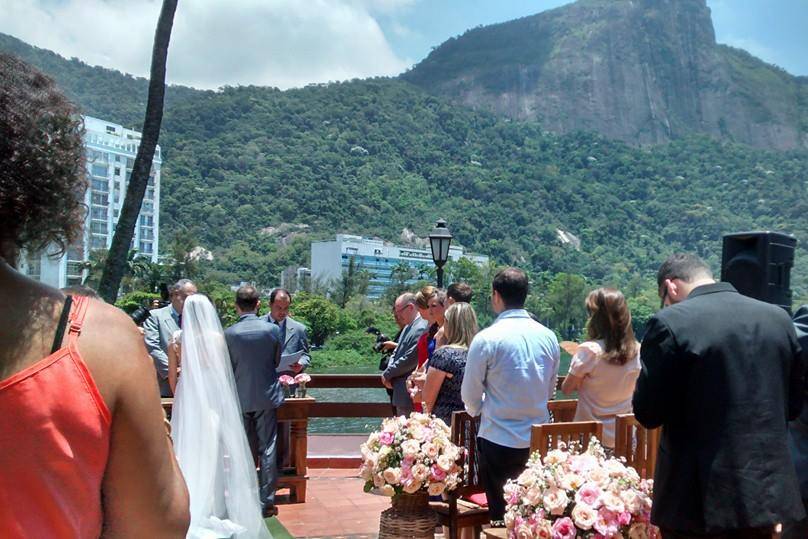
(578, 494)
(409, 455)
(301, 380)
(286, 381)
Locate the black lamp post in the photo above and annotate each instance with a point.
(439, 240)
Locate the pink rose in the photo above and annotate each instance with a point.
(563, 528)
(589, 493)
(386, 438)
(607, 523)
(437, 473)
(624, 518)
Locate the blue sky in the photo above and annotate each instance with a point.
(291, 43)
(773, 30)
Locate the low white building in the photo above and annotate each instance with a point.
(111, 150)
(330, 258)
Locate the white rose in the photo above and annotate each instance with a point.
(533, 496)
(410, 448)
(387, 490)
(631, 500)
(436, 489)
(555, 456)
(420, 472)
(555, 501)
(430, 450)
(445, 463)
(612, 502)
(584, 516)
(378, 480)
(597, 475)
(412, 486)
(571, 481)
(614, 467)
(366, 472)
(392, 475)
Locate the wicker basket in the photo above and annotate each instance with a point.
(409, 517)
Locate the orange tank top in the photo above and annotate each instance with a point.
(54, 443)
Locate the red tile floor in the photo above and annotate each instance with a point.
(335, 506)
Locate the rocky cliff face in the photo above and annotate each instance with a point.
(643, 71)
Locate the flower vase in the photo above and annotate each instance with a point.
(300, 392)
(409, 516)
(287, 392)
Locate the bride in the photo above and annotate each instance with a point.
(209, 438)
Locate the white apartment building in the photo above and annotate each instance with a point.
(330, 258)
(111, 150)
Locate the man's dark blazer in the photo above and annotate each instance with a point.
(255, 351)
(722, 375)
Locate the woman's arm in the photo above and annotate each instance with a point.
(143, 491)
(434, 380)
(173, 365)
(571, 383)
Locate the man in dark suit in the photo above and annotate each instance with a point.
(798, 434)
(255, 352)
(405, 356)
(722, 375)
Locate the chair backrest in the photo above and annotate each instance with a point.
(545, 437)
(464, 434)
(562, 411)
(636, 444)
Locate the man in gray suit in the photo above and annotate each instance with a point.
(255, 352)
(405, 356)
(293, 333)
(160, 327)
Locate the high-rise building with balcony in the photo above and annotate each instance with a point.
(111, 150)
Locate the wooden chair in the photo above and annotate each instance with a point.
(563, 410)
(636, 444)
(545, 437)
(456, 512)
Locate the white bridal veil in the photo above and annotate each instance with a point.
(209, 437)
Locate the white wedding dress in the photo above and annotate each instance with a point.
(209, 438)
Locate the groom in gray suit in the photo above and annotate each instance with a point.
(293, 333)
(255, 353)
(405, 356)
(160, 326)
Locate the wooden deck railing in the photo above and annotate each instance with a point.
(355, 409)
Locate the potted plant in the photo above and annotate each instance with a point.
(410, 459)
(571, 494)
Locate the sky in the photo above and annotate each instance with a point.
(291, 43)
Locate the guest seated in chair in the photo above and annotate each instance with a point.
(605, 368)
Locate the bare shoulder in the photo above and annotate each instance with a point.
(113, 349)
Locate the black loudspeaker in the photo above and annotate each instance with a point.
(758, 265)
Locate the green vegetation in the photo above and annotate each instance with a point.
(254, 174)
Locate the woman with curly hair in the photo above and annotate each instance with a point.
(605, 368)
(83, 446)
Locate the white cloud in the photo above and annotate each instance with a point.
(284, 43)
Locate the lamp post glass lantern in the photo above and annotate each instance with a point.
(439, 240)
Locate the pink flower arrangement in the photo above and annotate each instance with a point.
(573, 494)
(411, 454)
(286, 380)
(302, 379)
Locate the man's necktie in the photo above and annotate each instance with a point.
(179, 320)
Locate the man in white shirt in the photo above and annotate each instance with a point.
(514, 364)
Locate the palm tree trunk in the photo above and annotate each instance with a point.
(116, 260)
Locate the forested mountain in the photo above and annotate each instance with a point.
(642, 71)
(373, 157)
